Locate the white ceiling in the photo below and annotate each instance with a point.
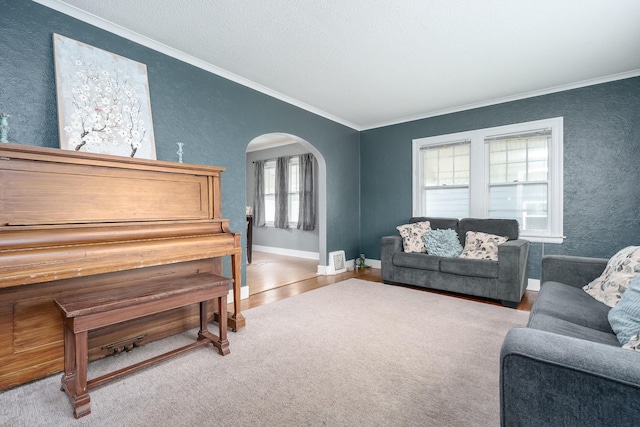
(369, 63)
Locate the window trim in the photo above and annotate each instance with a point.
(479, 173)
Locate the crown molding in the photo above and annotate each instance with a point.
(169, 51)
(184, 57)
(547, 91)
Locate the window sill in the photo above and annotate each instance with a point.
(544, 239)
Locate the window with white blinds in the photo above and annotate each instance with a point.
(512, 171)
(446, 179)
(519, 179)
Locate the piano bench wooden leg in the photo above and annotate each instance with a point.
(219, 341)
(74, 379)
(223, 343)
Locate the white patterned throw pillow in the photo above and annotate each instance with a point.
(614, 280)
(479, 245)
(634, 343)
(412, 236)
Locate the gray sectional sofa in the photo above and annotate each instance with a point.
(504, 280)
(567, 368)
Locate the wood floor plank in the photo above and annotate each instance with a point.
(274, 277)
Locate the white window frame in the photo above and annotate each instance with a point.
(479, 174)
(269, 165)
(294, 163)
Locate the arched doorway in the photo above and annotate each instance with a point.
(271, 146)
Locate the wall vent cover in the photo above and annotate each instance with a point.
(337, 262)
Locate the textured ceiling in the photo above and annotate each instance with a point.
(368, 63)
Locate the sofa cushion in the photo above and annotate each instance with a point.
(412, 236)
(442, 243)
(469, 267)
(554, 325)
(573, 305)
(415, 260)
(625, 316)
(614, 280)
(479, 245)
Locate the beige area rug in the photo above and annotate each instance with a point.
(354, 353)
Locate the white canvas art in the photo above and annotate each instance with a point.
(103, 101)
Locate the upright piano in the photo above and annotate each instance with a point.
(73, 222)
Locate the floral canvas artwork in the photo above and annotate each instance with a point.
(103, 101)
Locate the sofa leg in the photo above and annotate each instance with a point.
(510, 304)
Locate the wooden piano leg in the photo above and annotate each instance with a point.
(236, 320)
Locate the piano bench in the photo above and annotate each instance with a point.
(84, 312)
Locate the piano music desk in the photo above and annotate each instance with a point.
(82, 313)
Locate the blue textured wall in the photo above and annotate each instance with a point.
(601, 157)
(368, 174)
(214, 117)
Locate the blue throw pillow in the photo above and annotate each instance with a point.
(625, 316)
(442, 243)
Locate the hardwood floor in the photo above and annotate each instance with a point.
(268, 271)
(273, 277)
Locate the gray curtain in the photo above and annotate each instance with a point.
(307, 212)
(282, 193)
(258, 194)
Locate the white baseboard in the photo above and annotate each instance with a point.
(244, 294)
(287, 252)
(533, 285)
(373, 263)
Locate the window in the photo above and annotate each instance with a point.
(294, 193)
(512, 171)
(270, 191)
(446, 179)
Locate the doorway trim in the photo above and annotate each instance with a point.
(283, 138)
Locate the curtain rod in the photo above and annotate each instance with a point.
(276, 158)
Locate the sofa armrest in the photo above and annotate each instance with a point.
(548, 379)
(389, 246)
(513, 258)
(571, 270)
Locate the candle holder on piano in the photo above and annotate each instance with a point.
(4, 127)
(180, 151)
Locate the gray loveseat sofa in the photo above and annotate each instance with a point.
(567, 368)
(504, 280)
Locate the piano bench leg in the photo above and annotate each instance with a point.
(223, 343)
(219, 341)
(74, 379)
